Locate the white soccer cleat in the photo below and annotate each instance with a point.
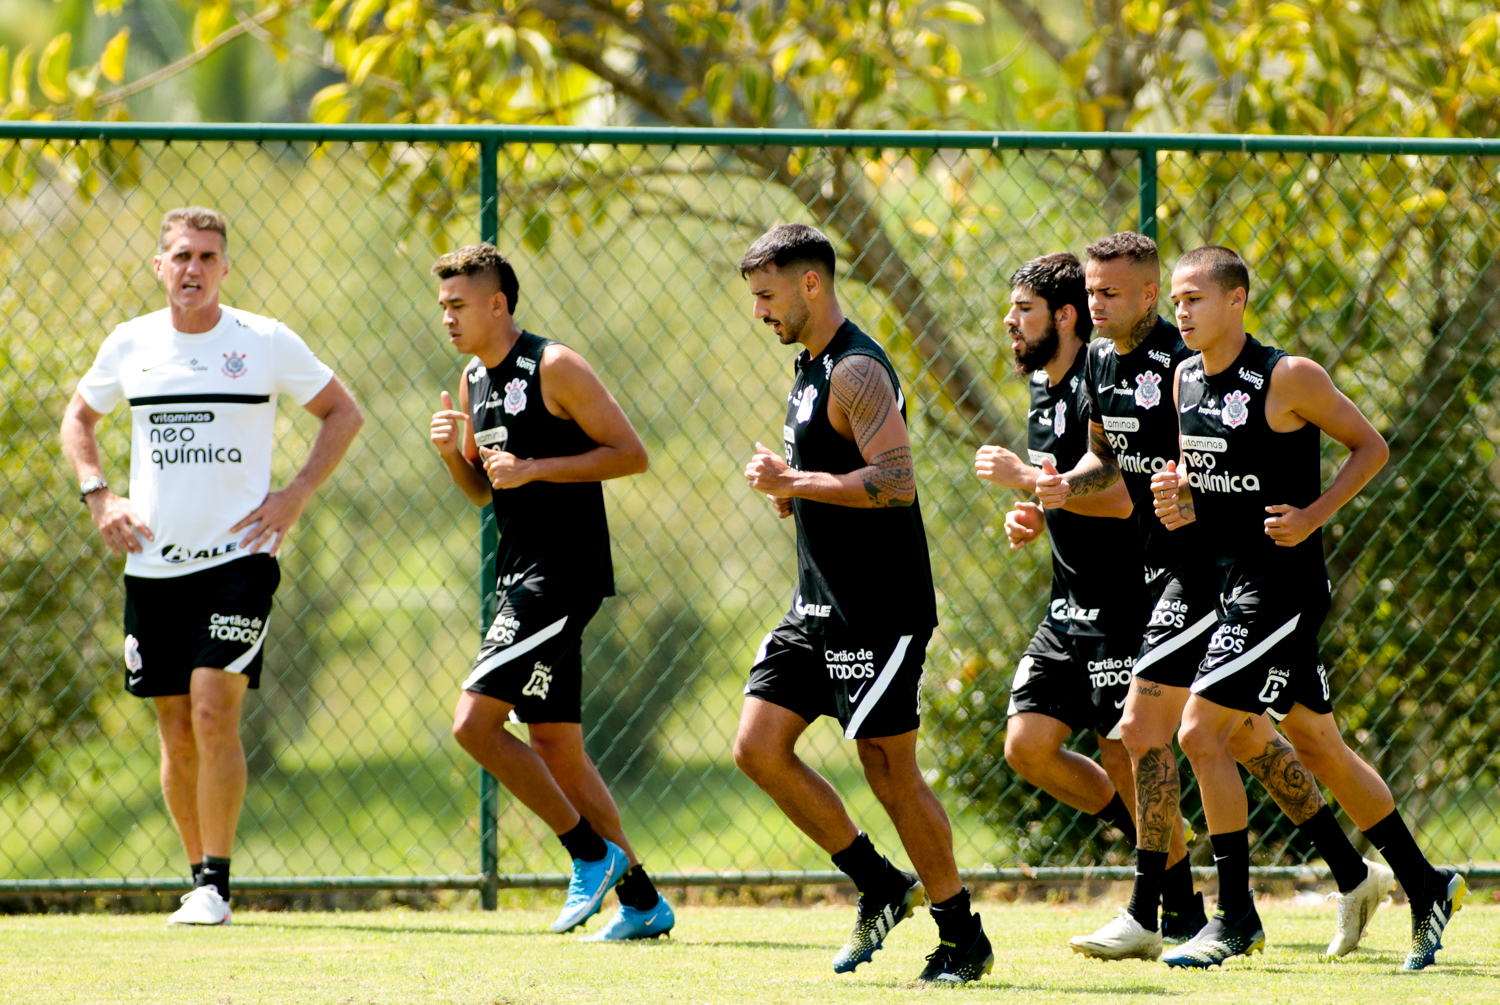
(1124, 938)
(202, 906)
(1357, 907)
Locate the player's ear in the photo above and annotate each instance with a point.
(1066, 316)
(812, 283)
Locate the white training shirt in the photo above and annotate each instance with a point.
(203, 418)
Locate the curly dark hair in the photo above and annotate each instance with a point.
(1058, 279)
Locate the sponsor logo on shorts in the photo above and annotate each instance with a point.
(177, 554)
(1275, 681)
(503, 629)
(133, 656)
(1110, 673)
(1168, 613)
(1250, 377)
(540, 682)
(1228, 639)
(845, 664)
(811, 610)
(233, 627)
(1064, 611)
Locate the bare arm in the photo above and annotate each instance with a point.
(115, 517)
(574, 391)
(1170, 493)
(341, 418)
(454, 439)
(1096, 471)
(1301, 391)
(1004, 468)
(863, 410)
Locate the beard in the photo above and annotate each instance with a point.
(794, 321)
(1035, 355)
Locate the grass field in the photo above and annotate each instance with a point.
(764, 955)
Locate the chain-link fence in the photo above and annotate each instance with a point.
(1376, 258)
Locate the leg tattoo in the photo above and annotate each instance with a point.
(1289, 783)
(1157, 794)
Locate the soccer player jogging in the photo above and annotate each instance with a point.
(1075, 673)
(535, 433)
(854, 641)
(1250, 419)
(1133, 433)
(201, 527)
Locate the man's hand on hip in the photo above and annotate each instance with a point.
(269, 522)
(118, 522)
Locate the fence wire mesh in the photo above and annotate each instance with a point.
(1383, 267)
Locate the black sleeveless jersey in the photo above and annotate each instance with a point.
(1131, 396)
(1238, 465)
(856, 568)
(554, 530)
(1087, 551)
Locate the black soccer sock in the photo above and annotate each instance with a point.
(1150, 868)
(955, 919)
(871, 871)
(216, 874)
(1177, 893)
(1406, 860)
(197, 868)
(582, 842)
(1346, 864)
(1232, 859)
(1117, 815)
(636, 890)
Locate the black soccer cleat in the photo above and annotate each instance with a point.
(1430, 916)
(1220, 940)
(951, 964)
(1178, 927)
(874, 920)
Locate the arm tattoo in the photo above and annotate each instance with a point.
(890, 480)
(1157, 795)
(1100, 478)
(1287, 780)
(861, 388)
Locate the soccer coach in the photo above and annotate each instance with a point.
(201, 527)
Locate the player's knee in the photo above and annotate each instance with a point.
(1200, 742)
(756, 760)
(1140, 735)
(212, 720)
(177, 743)
(1024, 758)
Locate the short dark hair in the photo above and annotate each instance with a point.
(1225, 267)
(1058, 279)
(193, 218)
(481, 260)
(790, 244)
(1139, 248)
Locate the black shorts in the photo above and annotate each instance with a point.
(532, 656)
(868, 680)
(1081, 680)
(215, 618)
(1182, 617)
(1263, 655)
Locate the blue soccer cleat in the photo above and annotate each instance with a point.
(633, 923)
(591, 881)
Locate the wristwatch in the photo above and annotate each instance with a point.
(90, 486)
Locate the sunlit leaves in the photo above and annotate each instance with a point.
(52, 69)
(112, 61)
(209, 23)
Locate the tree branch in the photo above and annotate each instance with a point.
(1029, 20)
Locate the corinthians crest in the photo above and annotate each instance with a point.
(1060, 418)
(234, 364)
(515, 396)
(1148, 389)
(1236, 409)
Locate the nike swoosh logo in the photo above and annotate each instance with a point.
(153, 366)
(855, 697)
(136, 680)
(1189, 408)
(1120, 703)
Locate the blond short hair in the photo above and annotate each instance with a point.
(193, 218)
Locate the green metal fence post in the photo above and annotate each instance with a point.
(1148, 192)
(489, 544)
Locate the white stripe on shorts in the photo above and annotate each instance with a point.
(243, 660)
(872, 697)
(1240, 662)
(1202, 625)
(512, 651)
